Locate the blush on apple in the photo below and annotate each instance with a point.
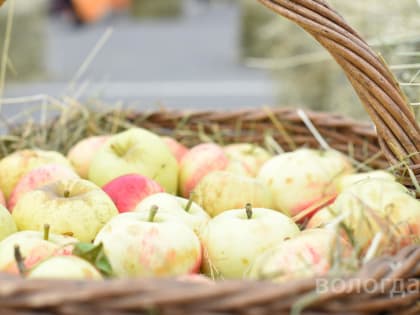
(38, 177)
(128, 191)
(177, 148)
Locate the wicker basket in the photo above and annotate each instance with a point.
(399, 140)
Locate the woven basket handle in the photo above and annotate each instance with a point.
(389, 109)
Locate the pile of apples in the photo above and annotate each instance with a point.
(136, 204)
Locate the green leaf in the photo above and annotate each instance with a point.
(95, 255)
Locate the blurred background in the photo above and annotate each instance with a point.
(217, 54)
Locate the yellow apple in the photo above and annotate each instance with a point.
(73, 207)
(220, 191)
(235, 238)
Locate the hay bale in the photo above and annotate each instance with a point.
(295, 58)
(156, 8)
(27, 43)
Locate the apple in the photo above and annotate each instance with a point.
(184, 210)
(250, 155)
(302, 178)
(197, 163)
(34, 248)
(74, 207)
(64, 267)
(146, 244)
(346, 181)
(177, 148)
(235, 238)
(7, 225)
(38, 177)
(310, 253)
(128, 191)
(17, 164)
(220, 191)
(374, 207)
(135, 151)
(82, 153)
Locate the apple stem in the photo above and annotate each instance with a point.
(46, 232)
(153, 210)
(248, 209)
(117, 149)
(66, 193)
(19, 261)
(190, 202)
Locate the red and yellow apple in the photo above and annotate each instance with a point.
(74, 207)
(235, 238)
(135, 151)
(128, 191)
(38, 177)
(19, 163)
(251, 156)
(302, 178)
(146, 244)
(34, 247)
(220, 191)
(82, 153)
(310, 253)
(197, 163)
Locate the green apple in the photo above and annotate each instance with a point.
(370, 207)
(7, 225)
(220, 191)
(146, 244)
(74, 207)
(19, 163)
(181, 209)
(301, 178)
(34, 247)
(64, 267)
(310, 253)
(135, 151)
(250, 155)
(235, 238)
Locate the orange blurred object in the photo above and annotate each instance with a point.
(93, 10)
